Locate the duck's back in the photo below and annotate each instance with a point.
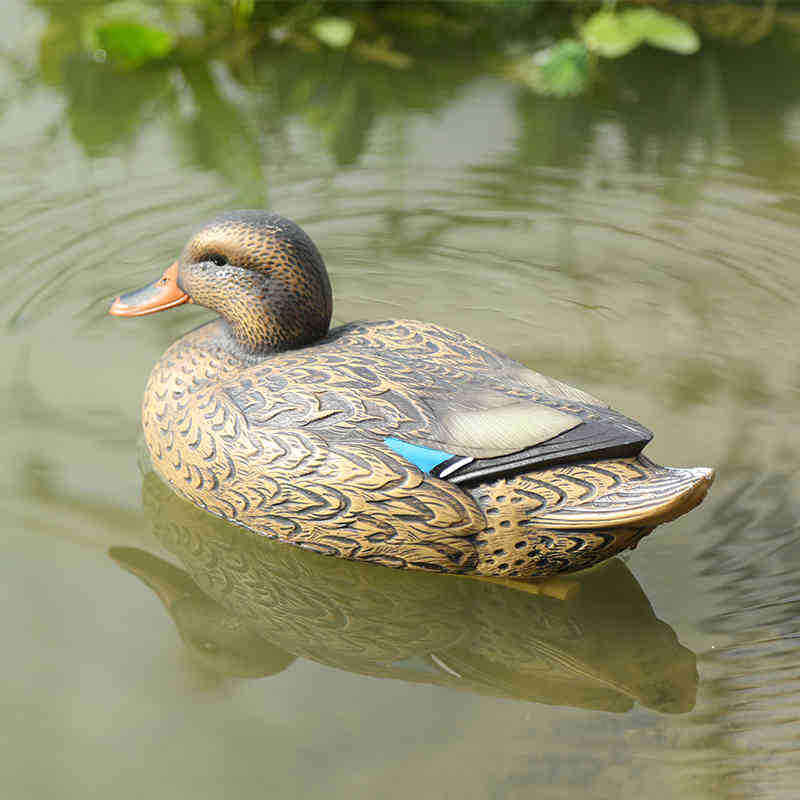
(437, 391)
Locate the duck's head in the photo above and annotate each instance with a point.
(259, 271)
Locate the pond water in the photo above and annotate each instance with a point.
(640, 241)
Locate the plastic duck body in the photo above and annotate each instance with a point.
(397, 442)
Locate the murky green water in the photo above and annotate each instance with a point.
(640, 242)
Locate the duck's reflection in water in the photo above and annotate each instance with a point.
(247, 606)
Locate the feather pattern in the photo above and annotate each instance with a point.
(293, 447)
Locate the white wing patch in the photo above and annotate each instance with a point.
(492, 432)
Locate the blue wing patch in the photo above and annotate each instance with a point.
(434, 462)
(425, 458)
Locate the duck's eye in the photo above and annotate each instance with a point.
(216, 258)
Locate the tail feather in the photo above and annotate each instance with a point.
(657, 494)
(610, 493)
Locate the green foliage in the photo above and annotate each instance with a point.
(565, 68)
(612, 34)
(340, 65)
(561, 70)
(336, 32)
(608, 34)
(132, 44)
(663, 30)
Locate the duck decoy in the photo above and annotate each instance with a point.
(398, 442)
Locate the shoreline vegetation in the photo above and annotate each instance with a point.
(556, 48)
(250, 65)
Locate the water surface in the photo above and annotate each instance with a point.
(639, 241)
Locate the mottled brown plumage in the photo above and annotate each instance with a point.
(267, 420)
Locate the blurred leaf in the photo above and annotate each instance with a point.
(613, 35)
(336, 32)
(561, 70)
(662, 30)
(609, 35)
(133, 44)
(381, 53)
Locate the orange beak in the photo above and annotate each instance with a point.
(158, 296)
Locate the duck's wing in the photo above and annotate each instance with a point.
(453, 407)
(484, 437)
(488, 415)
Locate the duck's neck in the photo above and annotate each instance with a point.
(225, 339)
(256, 341)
